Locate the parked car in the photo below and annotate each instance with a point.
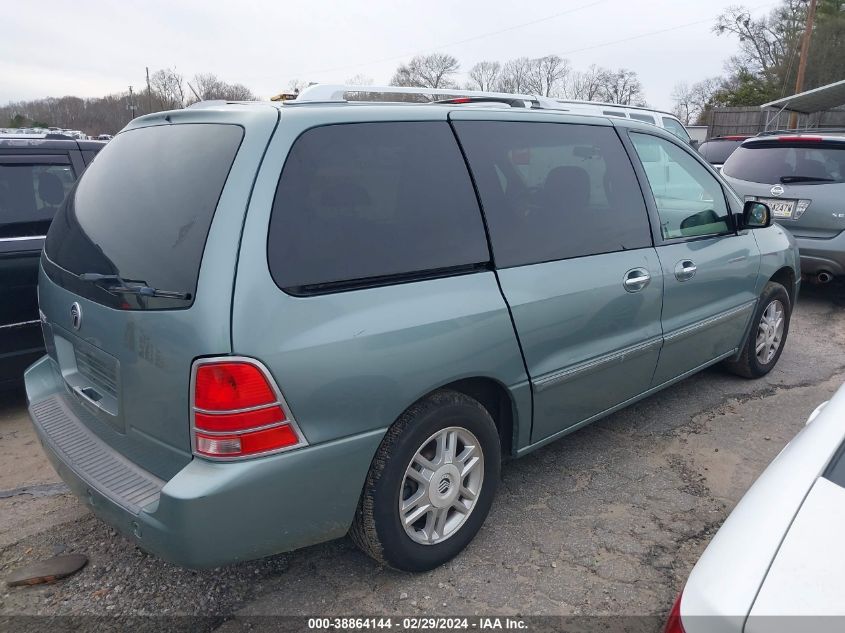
(666, 120)
(780, 551)
(716, 150)
(269, 325)
(802, 178)
(35, 175)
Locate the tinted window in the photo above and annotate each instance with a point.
(552, 191)
(717, 152)
(614, 113)
(368, 200)
(689, 199)
(647, 118)
(674, 126)
(142, 210)
(30, 195)
(787, 163)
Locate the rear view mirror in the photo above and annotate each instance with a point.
(756, 215)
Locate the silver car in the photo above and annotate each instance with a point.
(776, 563)
(801, 177)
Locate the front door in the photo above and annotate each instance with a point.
(709, 270)
(574, 258)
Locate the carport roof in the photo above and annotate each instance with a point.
(815, 100)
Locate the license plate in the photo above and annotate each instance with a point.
(780, 208)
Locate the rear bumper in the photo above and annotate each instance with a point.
(819, 255)
(209, 513)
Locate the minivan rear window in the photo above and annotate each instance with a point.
(370, 203)
(717, 151)
(773, 162)
(141, 213)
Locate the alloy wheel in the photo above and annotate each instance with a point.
(441, 485)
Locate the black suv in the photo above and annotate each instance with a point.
(36, 173)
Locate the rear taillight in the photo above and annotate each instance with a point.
(238, 411)
(673, 622)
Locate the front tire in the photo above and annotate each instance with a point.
(431, 483)
(768, 334)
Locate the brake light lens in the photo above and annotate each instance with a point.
(239, 412)
(227, 386)
(793, 139)
(673, 622)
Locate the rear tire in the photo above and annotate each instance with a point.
(431, 483)
(767, 337)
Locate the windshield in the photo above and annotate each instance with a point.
(788, 163)
(142, 212)
(717, 152)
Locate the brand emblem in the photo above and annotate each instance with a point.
(777, 190)
(76, 316)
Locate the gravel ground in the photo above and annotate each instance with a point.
(608, 520)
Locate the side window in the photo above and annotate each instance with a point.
(554, 190)
(674, 126)
(30, 195)
(367, 200)
(689, 199)
(647, 118)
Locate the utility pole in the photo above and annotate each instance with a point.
(149, 93)
(802, 62)
(131, 106)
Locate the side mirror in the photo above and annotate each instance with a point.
(756, 215)
(694, 143)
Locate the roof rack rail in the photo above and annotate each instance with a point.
(329, 93)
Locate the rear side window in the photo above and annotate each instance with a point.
(30, 195)
(554, 190)
(646, 118)
(788, 163)
(361, 203)
(142, 211)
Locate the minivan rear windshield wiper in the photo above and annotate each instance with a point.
(133, 286)
(788, 179)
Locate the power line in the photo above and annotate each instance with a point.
(650, 33)
(455, 43)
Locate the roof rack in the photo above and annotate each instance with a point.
(335, 93)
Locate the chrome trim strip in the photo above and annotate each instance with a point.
(21, 324)
(23, 238)
(688, 330)
(550, 380)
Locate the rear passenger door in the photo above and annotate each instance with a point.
(709, 271)
(573, 252)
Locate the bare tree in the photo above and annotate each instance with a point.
(546, 75)
(168, 88)
(623, 87)
(428, 71)
(691, 102)
(515, 75)
(484, 76)
(586, 85)
(359, 80)
(208, 86)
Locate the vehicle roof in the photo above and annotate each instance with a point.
(393, 110)
(27, 141)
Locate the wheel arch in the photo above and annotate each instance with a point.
(785, 276)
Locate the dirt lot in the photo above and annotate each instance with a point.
(609, 520)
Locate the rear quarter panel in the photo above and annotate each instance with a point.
(352, 362)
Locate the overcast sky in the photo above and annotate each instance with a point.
(95, 47)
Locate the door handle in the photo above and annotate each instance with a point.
(636, 279)
(685, 269)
